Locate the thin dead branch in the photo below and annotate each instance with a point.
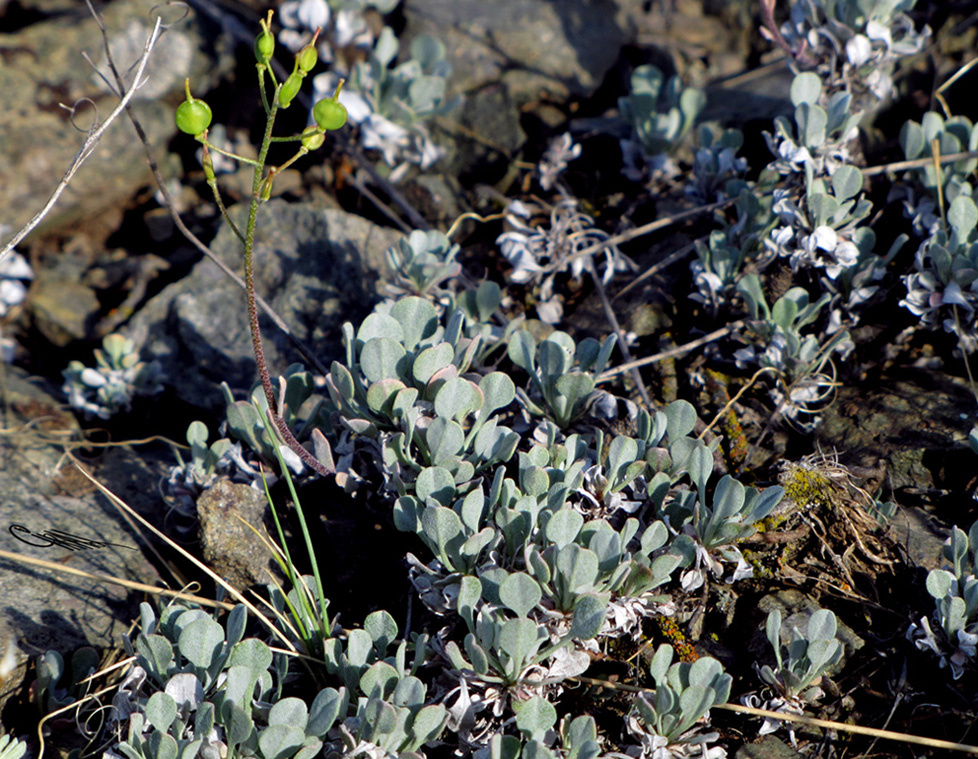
(91, 141)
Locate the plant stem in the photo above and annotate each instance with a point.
(273, 411)
(235, 156)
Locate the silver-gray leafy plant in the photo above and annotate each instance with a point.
(820, 212)
(342, 22)
(660, 112)
(535, 720)
(666, 723)
(407, 385)
(778, 343)
(805, 659)
(189, 479)
(954, 634)
(918, 140)
(118, 377)
(801, 663)
(852, 43)
(12, 748)
(200, 688)
(539, 252)
(422, 262)
(390, 105)
(943, 288)
(717, 171)
(563, 374)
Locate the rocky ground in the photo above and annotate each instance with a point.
(108, 258)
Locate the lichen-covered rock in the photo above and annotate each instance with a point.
(230, 547)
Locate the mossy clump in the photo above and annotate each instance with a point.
(806, 484)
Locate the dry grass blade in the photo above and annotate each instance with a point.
(233, 592)
(892, 735)
(918, 163)
(917, 740)
(131, 584)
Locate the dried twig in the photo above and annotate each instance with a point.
(708, 338)
(918, 163)
(103, 578)
(609, 313)
(842, 727)
(94, 135)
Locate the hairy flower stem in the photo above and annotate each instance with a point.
(249, 270)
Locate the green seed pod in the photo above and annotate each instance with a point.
(193, 116)
(290, 89)
(264, 46)
(308, 57)
(329, 113)
(312, 138)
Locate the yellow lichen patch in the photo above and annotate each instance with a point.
(671, 632)
(737, 445)
(806, 485)
(756, 563)
(816, 482)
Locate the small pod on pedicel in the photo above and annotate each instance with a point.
(264, 47)
(290, 88)
(193, 115)
(329, 113)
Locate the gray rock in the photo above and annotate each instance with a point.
(44, 67)
(767, 747)
(317, 268)
(40, 608)
(230, 547)
(922, 535)
(918, 422)
(530, 45)
(61, 307)
(490, 135)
